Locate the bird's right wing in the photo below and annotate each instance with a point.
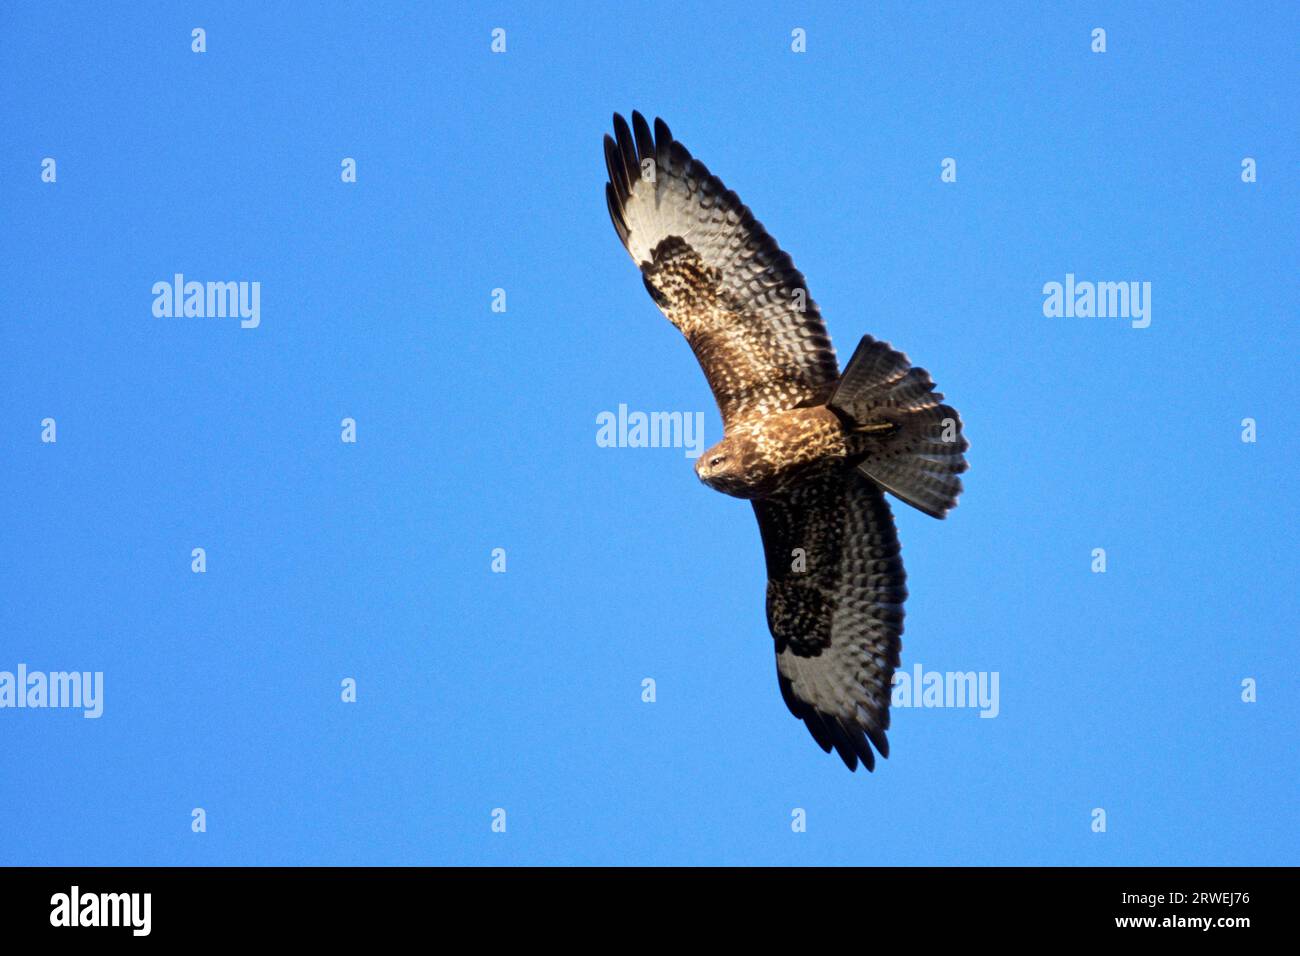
(715, 272)
(835, 593)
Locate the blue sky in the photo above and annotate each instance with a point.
(476, 430)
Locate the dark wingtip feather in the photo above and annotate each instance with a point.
(845, 745)
(830, 733)
(623, 136)
(645, 144)
(616, 213)
(662, 133)
(853, 734)
(821, 741)
(879, 739)
(614, 166)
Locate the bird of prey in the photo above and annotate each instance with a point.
(814, 450)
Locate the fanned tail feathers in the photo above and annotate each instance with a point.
(916, 449)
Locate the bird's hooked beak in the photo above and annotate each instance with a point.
(709, 464)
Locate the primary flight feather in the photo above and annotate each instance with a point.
(813, 450)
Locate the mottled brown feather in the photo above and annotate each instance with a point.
(717, 275)
(838, 622)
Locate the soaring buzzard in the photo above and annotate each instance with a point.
(812, 449)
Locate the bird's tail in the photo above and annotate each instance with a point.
(915, 446)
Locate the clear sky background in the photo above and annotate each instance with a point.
(476, 430)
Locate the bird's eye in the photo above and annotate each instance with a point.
(716, 461)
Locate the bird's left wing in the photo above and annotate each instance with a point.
(835, 593)
(716, 273)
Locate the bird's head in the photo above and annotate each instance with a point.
(724, 467)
